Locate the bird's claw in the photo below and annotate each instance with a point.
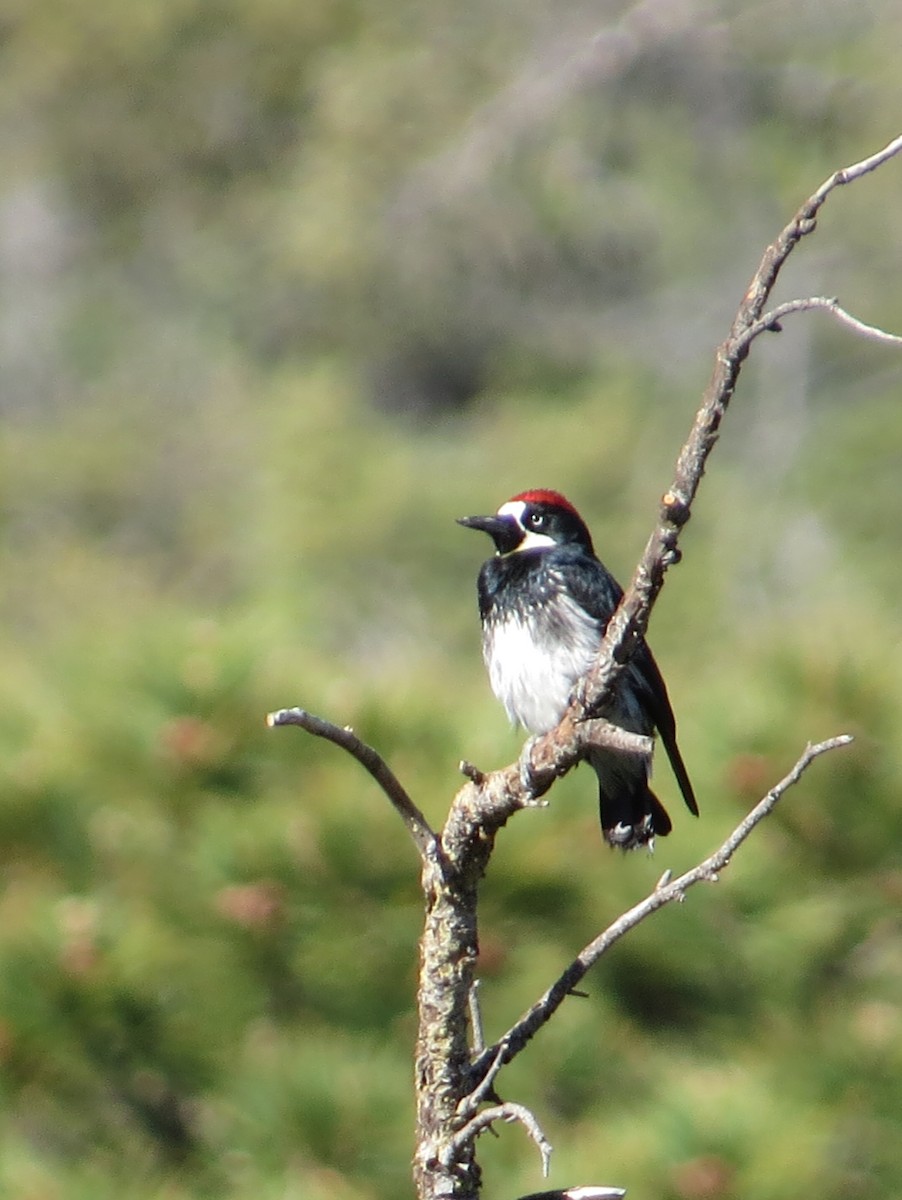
(528, 779)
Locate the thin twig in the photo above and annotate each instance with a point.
(477, 1036)
(771, 319)
(863, 167)
(511, 1043)
(485, 1089)
(502, 1112)
(418, 827)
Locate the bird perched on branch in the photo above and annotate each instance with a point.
(545, 601)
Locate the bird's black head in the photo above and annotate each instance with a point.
(534, 520)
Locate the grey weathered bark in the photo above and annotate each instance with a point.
(456, 1099)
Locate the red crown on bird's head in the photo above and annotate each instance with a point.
(546, 496)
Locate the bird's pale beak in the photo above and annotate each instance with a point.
(504, 531)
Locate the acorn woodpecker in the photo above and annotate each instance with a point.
(545, 601)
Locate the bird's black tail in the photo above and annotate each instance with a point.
(631, 814)
(631, 821)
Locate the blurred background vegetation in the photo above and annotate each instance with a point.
(284, 288)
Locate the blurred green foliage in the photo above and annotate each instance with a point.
(285, 288)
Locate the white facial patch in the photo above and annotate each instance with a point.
(531, 539)
(515, 509)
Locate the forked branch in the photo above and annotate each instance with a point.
(520, 1034)
(506, 1111)
(770, 322)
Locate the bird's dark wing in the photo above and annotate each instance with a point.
(596, 590)
(657, 703)
(588, 582)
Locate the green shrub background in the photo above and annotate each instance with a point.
(285, 288)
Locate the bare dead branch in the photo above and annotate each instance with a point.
(502, 1112)
(771, 320)
(863, 167)
(664, 892)
(803, 223)
(425, 840)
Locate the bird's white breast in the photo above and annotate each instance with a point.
(533, 665)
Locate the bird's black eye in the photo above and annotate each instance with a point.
(535, 520)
